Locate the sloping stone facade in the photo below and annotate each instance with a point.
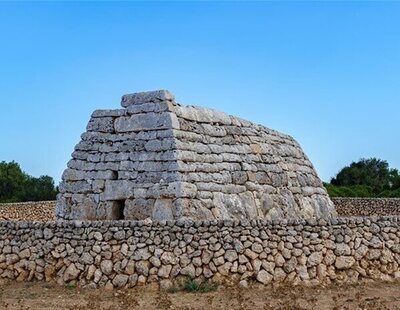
(160, 160)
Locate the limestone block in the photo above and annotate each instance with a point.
(117, 190)
(146, 121)
(161, 106)
(173, 189)
(138, 209)
(191, 208)
(108, 210)
(109, 113)
(162, 210)
(202, 115)
(101, 124)
(144, 97)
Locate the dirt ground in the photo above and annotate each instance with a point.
(48, 296)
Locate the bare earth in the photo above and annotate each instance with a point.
(48, 296)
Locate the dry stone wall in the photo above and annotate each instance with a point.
(367, 206)
(33, 210)
(128, 253)
(157, 159)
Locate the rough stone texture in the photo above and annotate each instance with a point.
(161, 160)
(367, 206)
(34, 210)
(145, 97)
(118, 254)
(44, 210)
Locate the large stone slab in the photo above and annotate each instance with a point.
(145, 97)
(146, 122)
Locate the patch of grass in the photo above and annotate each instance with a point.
(70, 286)
(192, 286)
(173, 290)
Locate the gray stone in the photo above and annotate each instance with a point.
(144, 97)
(71, 273)
(146, 121)
(314, 259)
(106, 267)
(86, 259)
(164, 271)
(264, 277)
(231, 255)
(159, 160)
(344, 262)
(162, 210)
(120, 280)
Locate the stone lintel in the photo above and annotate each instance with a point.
(145, 97)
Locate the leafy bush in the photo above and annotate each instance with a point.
(349, 191)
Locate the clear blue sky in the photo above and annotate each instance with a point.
(326, 73)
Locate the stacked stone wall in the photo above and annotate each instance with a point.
(160, 160)
(32, 210)
(367, 206)
(128, 253)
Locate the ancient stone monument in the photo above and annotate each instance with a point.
(157, 159)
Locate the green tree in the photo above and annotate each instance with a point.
(373, 172)
(366, 178)
(41, 188)
(394, 179)
(12, 180)
(16, 185)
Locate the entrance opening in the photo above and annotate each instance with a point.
(118, 210)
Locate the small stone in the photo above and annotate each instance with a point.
(314, 259)
(130, 267)
(71, 273)
(243, 284)
(164, 271)
(86, 259)
(344, 262)
(120, 280)
(106, 267)
(98, 236)
(264, 277)
(189, 270)
(231, 255)
(166, 284)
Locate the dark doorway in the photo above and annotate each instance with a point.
(118, 210)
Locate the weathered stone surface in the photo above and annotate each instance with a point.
(146, 121)
(160, 160)
(120, 280)
(115, 254)
(264, 277)
(106, 267)
(344, 262)
(145, 97)
(71, 273)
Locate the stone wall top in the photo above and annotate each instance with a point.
(367, 206)
(146, 97)
(261, 223)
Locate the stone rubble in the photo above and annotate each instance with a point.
(367, 206)
(32, 210)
